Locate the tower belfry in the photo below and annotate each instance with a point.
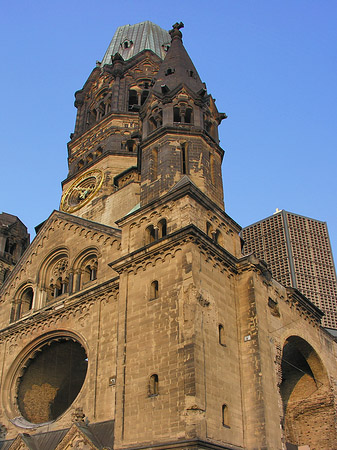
(133, 320)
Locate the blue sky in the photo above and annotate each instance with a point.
(271, 65)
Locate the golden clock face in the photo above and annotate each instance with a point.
(82, 191)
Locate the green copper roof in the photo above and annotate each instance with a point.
(132, 39)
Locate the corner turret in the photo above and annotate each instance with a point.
(180, 129)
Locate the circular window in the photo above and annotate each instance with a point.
(50, 379)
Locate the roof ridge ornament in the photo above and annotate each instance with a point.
(175, 32)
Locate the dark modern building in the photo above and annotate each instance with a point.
(298, 252)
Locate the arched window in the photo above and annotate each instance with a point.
(154, 290)
(89, 271)
(58, 284)
(154, 385)
(222, 335)
(150, 235)
(162, 228)
(23, 302)
(225, 416)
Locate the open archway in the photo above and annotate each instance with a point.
(308, 407)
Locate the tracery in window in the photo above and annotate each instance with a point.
(59, 279)
(84, 269)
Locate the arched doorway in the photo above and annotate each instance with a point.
(308, 405)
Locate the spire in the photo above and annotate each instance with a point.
(177, 67)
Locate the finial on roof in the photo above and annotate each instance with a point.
(175, 32)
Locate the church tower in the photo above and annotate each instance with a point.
(133, 321)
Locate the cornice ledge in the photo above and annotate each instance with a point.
(184, 444)
(251, 262)
(189, 129)
(56, 309)
(296, 298)
(174, 194)
(168, 243)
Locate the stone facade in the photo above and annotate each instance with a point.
(14, 239)
(133, 320)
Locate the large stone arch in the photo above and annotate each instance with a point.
(308, 405)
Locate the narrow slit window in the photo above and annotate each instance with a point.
(162, 228)
(222, 340)
(211, 163)
(154, 385)
(225, 416)
(184, 159)
(154, 290)
(154, 164)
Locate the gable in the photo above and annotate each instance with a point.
(65, 245)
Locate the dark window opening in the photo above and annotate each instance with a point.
(26, 301)
(154, 290)
(133, 99)
(154, 385)
(60, 287)
(162, 228)
(184, 159)
(176, 115)
(169, 71)
(222, 335)
(144, 96)
(225, 416)
(188, 115)
(131, 145)
(150, 234)
(190, 73)
(51, 380)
